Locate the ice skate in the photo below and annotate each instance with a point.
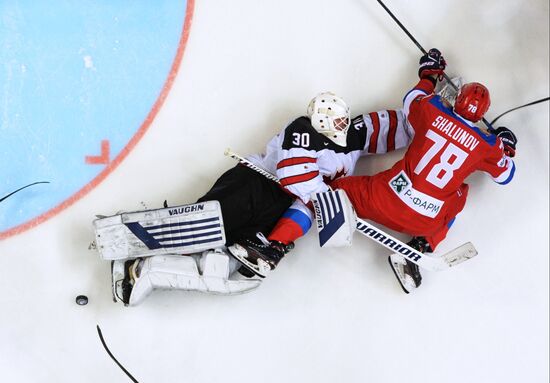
(258, 255)
(123, 277)
(407, 273)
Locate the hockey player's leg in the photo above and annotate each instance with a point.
(250, 203)
(251, 248)
(211, 272)
(185, 229)
(407, 273)
(234, 190)
(293, 224)
(259, 255)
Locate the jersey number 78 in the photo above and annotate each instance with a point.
(451, 158)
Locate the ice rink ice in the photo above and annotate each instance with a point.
(331, 315)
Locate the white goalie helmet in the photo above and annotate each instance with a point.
(329, 116)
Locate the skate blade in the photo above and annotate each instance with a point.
(397, 271)
(240, 254)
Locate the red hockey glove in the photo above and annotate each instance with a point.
(509, 140)
(432, 63)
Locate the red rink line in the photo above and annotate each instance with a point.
(131, 144)
(103, 158)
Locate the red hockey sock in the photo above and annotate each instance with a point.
(286, 231)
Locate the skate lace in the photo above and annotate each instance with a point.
(263, 239)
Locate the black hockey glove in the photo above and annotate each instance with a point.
(432, 63)
(509, 140)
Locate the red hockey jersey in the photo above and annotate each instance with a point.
(422, 193)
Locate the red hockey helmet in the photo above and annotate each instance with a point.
(472, 101)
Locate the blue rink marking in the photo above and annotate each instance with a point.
(74, 74)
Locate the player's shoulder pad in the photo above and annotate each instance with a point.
(300, 134)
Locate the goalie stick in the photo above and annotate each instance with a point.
(249, 164)
(428, 262)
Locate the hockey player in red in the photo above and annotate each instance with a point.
(422, 193)
(310, 152)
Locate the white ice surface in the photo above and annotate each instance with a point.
(323, 316)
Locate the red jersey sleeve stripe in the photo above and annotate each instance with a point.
(374, 137)
(295, 161)
(299, 178)
(392, 130)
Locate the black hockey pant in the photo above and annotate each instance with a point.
(249, 201)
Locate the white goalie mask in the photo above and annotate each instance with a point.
(329, 116)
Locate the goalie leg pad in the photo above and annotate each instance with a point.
(335, 217)
(208, 273)
(184, 229)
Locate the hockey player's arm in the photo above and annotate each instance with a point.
(500, 167)
(381, 132)
(499, 163)
(431, 67)
(299, 174)
(422, 89)
(297, 167)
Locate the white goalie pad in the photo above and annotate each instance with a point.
(207, 273)
(184, 229)
(335, 217)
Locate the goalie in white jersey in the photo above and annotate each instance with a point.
(311, 151)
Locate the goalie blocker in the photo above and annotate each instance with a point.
(335, 218)
(184, 229)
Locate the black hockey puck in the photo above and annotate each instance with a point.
(81, 300)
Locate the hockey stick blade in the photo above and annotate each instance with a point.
(428, 262)
(460, 254)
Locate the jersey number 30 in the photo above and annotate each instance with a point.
(300, 139)
(450, 160)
